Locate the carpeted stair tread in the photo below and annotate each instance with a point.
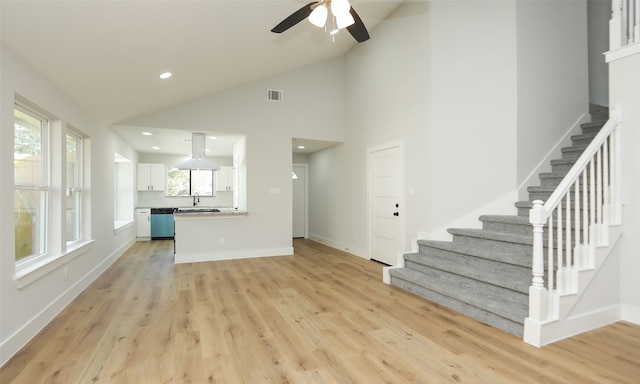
(519, 259)
(512, 219)
(492, 235)
(551, 175)
(470, 292)
(507, 223)
(510, 276)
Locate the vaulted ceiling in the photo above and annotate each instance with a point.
(107, 55)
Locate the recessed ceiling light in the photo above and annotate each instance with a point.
(300, 146)
(147, 133)
(165, 75)
(155, 147)
(213, 137)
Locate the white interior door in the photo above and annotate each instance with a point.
(385, 225)
(299, 180)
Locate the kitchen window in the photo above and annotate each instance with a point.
(187, 182)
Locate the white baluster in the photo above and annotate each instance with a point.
(606, 182)
(560, 251)
(550, 257)
(577, 250)
(585, 208)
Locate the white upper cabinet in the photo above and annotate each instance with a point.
(151, 177)
(224, 178)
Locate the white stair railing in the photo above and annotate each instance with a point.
(577, 216)
(624, 25)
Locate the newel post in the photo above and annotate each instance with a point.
(538, 295)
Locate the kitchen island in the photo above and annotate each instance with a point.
(201, 234)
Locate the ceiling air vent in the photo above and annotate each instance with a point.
(274, 95)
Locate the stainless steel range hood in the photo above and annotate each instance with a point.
(198, 159)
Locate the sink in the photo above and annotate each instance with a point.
(198, 209)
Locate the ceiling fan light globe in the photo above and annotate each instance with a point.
(340, 7)
(344, 20)
(318, 16)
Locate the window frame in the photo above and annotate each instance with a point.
(77, 188)
(43, 186)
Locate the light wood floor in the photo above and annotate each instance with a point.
(320, 316)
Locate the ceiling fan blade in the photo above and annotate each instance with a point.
(294, 18)
(357, 29)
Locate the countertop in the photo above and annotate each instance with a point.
(228, 212)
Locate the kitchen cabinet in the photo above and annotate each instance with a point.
(143, 222)
(151, 177)
(224, 179)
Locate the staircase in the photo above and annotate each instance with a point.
(486, 273)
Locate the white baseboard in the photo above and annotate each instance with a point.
(20, 338)
(198, 257)
(631, 314)
(557, 331)
(340, 246)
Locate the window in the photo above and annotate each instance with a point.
(74, 187)
(31, 183)
(187, 182)
(123, 191)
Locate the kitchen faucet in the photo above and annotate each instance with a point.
(196, 195)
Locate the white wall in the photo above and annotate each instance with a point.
(26, 310)
(552, 77)
(625, 92)
(440, 78)
(313, 108)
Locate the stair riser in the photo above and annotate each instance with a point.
(516, 229)
(521, 286)
(523, 230)
(519, 262)
(572, 154)
(562, 168)
(506, 325)
(500, 246)
(555, 181)
(544, 196)
(550, 181)
(591, 128)
(582, 141)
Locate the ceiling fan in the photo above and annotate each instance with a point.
(342, 16)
